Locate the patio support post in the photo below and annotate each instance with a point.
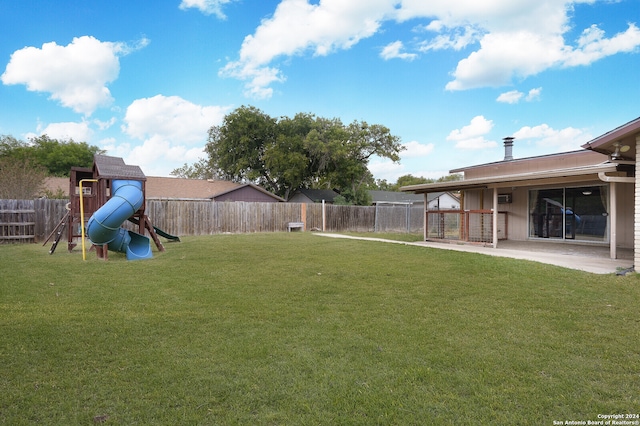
(636, 209)
(495, 217)
(613, 220)
(426, 218)
(462, 222)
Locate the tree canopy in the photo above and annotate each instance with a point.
(285, 154)
(25, 165)
(55, 156)
(409, 179)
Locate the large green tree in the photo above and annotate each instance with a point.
(287, 160)
(305, 151)
(55, 156)
(407, 180)
(25, 165)
(236, 148)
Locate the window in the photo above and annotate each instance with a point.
(569, 213)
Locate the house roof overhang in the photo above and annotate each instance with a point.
(568, 175)
(624, 135)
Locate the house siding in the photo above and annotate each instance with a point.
(518, 209)
(625, 215)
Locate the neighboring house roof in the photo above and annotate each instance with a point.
(315, 195)
(218, 190)
(178, 188)
(247, 192)
(394, 197)
(168, 187)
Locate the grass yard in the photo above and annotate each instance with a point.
(295, 329)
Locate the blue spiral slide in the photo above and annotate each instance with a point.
(104, 225)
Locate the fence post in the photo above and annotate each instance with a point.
(375, 219)
(324, 217)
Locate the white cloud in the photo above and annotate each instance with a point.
(110, 144)
(258, 78)
(592, 45)
(472, 136)
(505, 56)
(79, 132)
(456, 38)
(158, 156)
(173, 130)
(511, 97)
(534, 94)
(76, 75)
(115, 148)
(208, 7)
(297, 27)
(387, 170)
(515, 96)
(415, 149)
(552, 140)
(394, 50)
(176, 119)
(516, 39)
(104, 125)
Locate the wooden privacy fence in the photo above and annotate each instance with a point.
(179, 217)
(17, 221)
(29, 220)
(38, 218)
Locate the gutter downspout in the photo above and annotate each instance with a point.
(495, 217)
(621, 179)
(613, 209)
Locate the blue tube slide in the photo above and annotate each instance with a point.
(104, 225)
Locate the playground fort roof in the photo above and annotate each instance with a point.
(115, 168)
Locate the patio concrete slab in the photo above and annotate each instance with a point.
(589, 258)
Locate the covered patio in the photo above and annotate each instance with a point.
(580, 198)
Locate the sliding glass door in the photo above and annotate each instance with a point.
(569, 213)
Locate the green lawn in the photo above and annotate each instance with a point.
(295, 329)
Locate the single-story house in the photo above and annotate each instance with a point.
(443, 201)
(590, 196)
(305, 195)
(394, 198)
(435, 200)
(56, 185)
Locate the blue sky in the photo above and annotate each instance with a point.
(146, 79)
